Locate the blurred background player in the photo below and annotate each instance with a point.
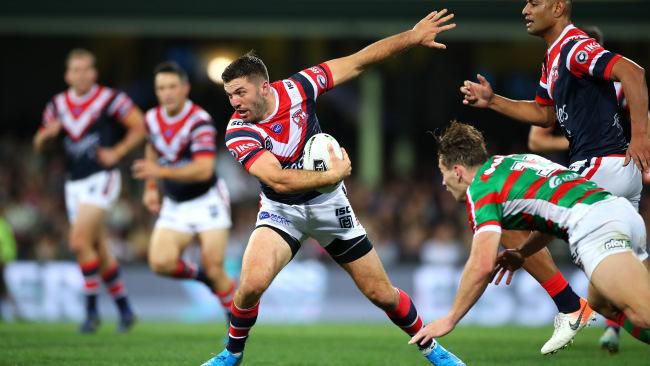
(181, 154)
(577, 88)
(606, 236)
(93, 118)
(542, 140)
(266, 134)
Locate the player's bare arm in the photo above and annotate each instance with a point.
(632, 78)
(45, 134)
(199, 169)
(134, 122)
(267, 169)
(476, 276)
(151, 195)
(481, 95)
(423, 33)
(541, 139)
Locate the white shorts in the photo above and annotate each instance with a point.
(326, 218)
(206, 212)
(609, 227)
(609, 173)
(101, 189)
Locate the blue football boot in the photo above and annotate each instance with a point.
(225, 358)
(439, 356)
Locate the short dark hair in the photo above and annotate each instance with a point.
(247, 65)
(80, 52)
(461, 144)
(595, 33)
(172, 68)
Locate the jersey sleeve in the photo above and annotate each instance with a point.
(244, 143)
(203, 139)
(542, 96)
(120, 106)
(484, 210)
(588, 57)
(315, 80)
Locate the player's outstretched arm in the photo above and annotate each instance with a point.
(151, 195)
(476, 276)
(268, 170)
(45, 134)
(134, 122)
(424, 33)
(541, 140)
(632, 78)
(481, 95)
(198, 170)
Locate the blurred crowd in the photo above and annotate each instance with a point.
(409, 220)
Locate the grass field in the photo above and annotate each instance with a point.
(163, 344)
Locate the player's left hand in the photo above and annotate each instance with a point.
(428, 28)
(508, 262)
(108, 157)
(437, 328)
(639, 152)
(145, 169)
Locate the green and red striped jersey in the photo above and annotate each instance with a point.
(528, 192)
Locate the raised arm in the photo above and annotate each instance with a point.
(134, 122)
(481, 95)
(424, 33)
(268, 170)
(632, 78)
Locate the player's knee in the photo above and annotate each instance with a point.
(79, 241)
(162, 265)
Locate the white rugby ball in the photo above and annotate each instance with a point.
(317, 156)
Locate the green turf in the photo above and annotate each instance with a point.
(305, 345)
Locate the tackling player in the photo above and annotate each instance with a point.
(266, 134)
(92, 118)
(577, 88)
(181, 154)
(606, 235)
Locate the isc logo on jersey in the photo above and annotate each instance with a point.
(317, 156)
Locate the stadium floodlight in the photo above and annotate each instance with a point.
(216, 66)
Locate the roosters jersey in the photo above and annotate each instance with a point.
(286, 130)
(178, 140)
(528, 192)
(89, 121)
(576, 79)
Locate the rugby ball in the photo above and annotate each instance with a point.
(317, 156)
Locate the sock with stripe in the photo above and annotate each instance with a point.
(562, 294)
(116, 288)
(188, 270)
(406, 316)
(90, 272)
(642, 334)
(241, 322)
(612, 324)
(226, 297)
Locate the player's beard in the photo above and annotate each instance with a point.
(257, 109)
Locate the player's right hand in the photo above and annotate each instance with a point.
(477, 94)
(508, 262)
(341, 168)
(429, 27)
(151, 200)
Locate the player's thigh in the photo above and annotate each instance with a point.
(623, 280)
(166, 245)
(213, 245)
(369, 275)
(512, 239)
(87, 225)
(265, 256)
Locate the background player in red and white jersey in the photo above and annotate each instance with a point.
(93, 119)
(267, 133)
(181, 154)
(577, 88)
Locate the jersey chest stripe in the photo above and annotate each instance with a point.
(563, 189)
(532, 190)
(490, 198)
(509, 183)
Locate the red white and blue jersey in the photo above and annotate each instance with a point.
(89, 121)
(179, 139)
(576, 79)
(286, 130)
